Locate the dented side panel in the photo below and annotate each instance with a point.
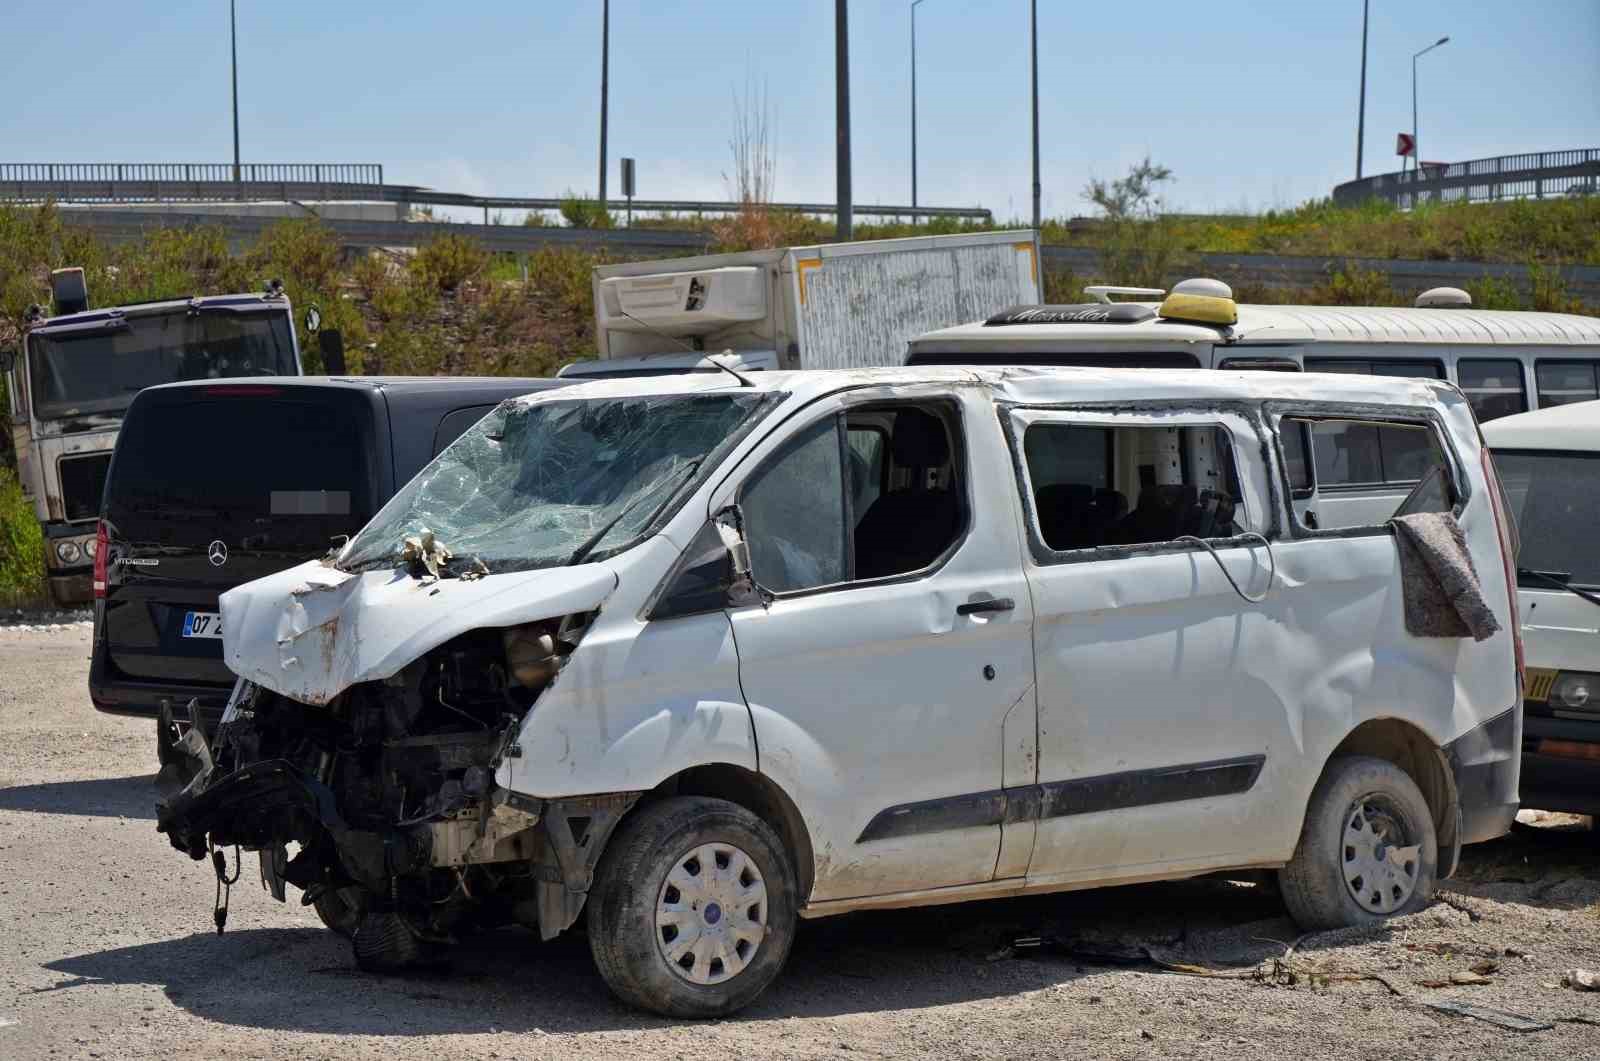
(637, 701)
(874, 695)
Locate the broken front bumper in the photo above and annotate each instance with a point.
(271, 802)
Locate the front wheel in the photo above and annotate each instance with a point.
(1367, 851)
(341, 909)
(693, 908)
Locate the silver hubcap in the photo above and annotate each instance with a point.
(1380, 862)
(711, 915)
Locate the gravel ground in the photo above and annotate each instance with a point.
(107, 950)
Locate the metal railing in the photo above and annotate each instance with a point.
(1538, 175)
(291, 182)
(183, 174)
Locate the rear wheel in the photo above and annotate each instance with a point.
(1367, 851)
(693, 908)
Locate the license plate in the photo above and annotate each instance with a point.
(202, 624)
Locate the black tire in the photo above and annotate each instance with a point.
(384, 943)
(1352, 794)
(341, 909)
(631, 879)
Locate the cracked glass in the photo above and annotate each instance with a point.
(553, 483)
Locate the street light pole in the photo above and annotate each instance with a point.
(605, 72)
(1361, 113)
(914, 4)
(1036, 187)
(233, 44)
(841, 67)
(1416, 144)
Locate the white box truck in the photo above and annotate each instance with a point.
(842, 305)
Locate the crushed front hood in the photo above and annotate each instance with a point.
(313, 631)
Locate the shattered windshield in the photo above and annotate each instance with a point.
(100, 370)
(556, 482)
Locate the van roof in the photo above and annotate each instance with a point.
(466, 386)
(1293, 324)
(1034, 385)
(1569, 427)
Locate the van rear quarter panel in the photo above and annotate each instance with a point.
(1341, 644)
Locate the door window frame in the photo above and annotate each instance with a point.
(1277, 410)
(1264, 497)
(947, 404)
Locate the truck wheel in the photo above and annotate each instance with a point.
(1367, 851)
(341, 909)
(693, 908)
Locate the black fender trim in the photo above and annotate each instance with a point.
(1486, 762)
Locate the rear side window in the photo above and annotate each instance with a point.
(287, 474)
(1362, 471)
(1494, 387)
(1418, 368)
(1359, 453)
(1565, 382)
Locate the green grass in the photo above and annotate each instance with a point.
(21, 546)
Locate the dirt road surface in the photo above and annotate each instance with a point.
(107, 951)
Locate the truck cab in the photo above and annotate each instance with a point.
(76, 374)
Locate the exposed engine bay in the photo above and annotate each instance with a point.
(382, 805)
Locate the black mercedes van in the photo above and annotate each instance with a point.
(215, 483)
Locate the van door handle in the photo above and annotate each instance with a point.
(993, 604)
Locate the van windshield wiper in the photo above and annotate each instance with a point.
(1560, 580)
(682, 475)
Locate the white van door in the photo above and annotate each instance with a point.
(894, 653)
(1157, 734)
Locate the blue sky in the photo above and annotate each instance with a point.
(1251, 102)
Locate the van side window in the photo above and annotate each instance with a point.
(869, 452)
(1362, 469)
(869, 494)
(1297, 459)
(1493, 387)
(1095, 486)
(1362, 453)
(1406, 367)
(794, 513)
(1565, 382)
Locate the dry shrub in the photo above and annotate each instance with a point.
(446, 262)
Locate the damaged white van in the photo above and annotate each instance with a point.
(695, 656)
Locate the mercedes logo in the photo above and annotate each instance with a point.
(217, 553)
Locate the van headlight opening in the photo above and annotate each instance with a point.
(1575, 690)
(68, 552)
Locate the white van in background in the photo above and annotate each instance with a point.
(1549, 462)
(1505, 362)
